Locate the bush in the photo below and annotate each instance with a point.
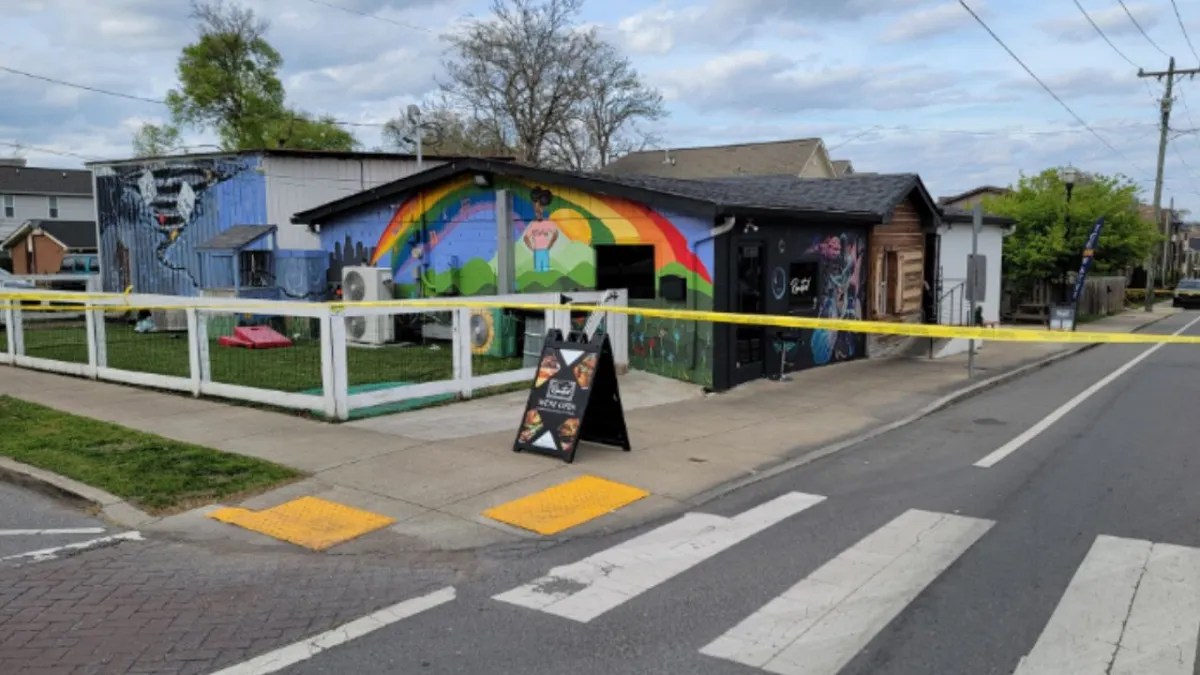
(1137, 296)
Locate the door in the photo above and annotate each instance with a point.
(931, 292)
(749, 343)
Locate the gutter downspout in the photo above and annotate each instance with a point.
(714, 233)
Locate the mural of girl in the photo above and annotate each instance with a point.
(541, 233)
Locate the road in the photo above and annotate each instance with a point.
(1076, 550)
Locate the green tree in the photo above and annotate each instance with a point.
(229, 83)
(154, 140)
(1049, 239)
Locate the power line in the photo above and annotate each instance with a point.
(25, 146)
(97, 90)
(1140, 29)
(109, 92)
(368, 15)
(1037, 79)
(1103, 35)
(1184, 29)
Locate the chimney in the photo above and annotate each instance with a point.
(13, 161)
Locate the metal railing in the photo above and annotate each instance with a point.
(323, 369)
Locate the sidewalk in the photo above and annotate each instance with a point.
(436, 470)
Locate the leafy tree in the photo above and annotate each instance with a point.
(229, 83)
(154, 140)
(530, 77)
(1049, 239)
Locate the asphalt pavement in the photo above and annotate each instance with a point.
(32, 521)
(1079, 552)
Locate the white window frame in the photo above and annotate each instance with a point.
(9, 203)
(52, 206)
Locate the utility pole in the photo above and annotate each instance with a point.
(1164, 128)
(1169, 244)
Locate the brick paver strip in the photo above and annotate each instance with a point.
(156, 607)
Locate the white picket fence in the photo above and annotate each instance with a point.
(335, 400)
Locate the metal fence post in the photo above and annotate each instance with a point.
(9, 343)
(89, 327)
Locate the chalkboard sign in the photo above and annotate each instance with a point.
(574, 398)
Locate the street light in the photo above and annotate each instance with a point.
(1069, 176)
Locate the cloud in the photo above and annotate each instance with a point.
(725, 22)
(930, 22)
(1074, 27)
(765, 82)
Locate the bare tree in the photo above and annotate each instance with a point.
(523, 69)
(616, 99)
(447, 131)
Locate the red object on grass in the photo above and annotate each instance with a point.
(254, 337)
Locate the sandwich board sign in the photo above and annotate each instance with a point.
(574, 398)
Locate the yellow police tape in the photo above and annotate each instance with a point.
(770, 320)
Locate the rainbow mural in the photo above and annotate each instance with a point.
(442, 241)
(455, 214)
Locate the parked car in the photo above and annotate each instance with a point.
(1187, 293)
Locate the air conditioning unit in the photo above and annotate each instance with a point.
(368, 284)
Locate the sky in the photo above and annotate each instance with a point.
(892, 85)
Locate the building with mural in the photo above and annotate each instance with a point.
(849, 248)
(157, 216)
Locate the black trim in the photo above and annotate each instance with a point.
(954, 218)
(593, 184)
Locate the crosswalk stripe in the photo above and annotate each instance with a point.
(818, 625)
(590, 587)
(1133, 606)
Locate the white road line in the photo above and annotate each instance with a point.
(1032, 432)
(586, 589)
(292, 654)
(45, 554)
(66, 530)
(1132, 607)
(818, 625)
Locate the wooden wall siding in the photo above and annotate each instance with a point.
(902, 236)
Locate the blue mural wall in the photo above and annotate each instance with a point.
(153, 216)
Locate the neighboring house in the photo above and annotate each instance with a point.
(36, 193)
(967, 200)
(40, 246)
(953, 306)
(806, 158)
(842, 167)
(847, 248)
(155, 214)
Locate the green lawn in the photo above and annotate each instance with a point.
(156, 474)
(292, 369)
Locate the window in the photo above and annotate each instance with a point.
(254, 269)
(804, 285)
(10, 206)
(53, 206)
(626, 266)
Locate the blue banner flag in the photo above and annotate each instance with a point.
(1089, 252)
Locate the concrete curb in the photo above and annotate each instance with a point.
(940, 404)
(110, 506)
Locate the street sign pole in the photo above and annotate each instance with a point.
(976, 226)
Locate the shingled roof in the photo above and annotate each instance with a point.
(745, 159)
(25, 180)
(866, 198)
(75, 235)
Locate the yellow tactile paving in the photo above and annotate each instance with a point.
(309, 522)
(566, 505)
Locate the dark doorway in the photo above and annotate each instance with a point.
(932, 291)
(749, 342)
